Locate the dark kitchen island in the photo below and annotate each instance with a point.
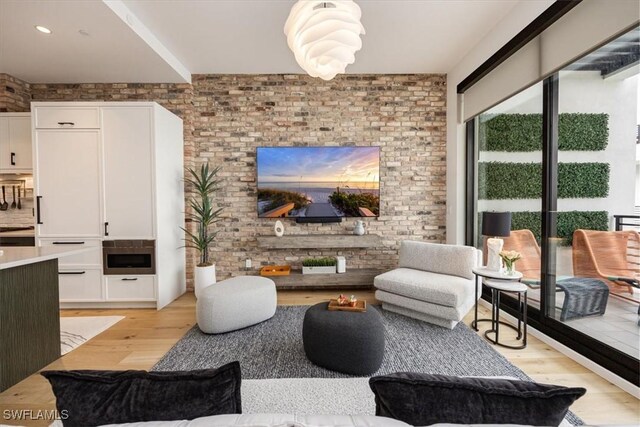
(29, 311)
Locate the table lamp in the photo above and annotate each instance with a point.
(495, 225)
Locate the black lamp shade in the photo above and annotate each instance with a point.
(496, 224)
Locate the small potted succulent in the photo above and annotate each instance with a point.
(319, 265)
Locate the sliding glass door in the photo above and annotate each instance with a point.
(564, 157)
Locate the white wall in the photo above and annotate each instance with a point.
(583, 92)
(520, 16)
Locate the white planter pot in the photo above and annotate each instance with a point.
(319, 270)
(203, 277)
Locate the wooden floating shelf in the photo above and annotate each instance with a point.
(353, 278)
(320, 241)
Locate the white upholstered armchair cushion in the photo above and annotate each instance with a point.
(454, 260)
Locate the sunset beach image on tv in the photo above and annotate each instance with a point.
(319, 182)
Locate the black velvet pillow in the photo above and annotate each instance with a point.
(423, 399)
(92, 398)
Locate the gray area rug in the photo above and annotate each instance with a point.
(351, 396)
(273, 349)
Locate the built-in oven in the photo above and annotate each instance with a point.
(129, 256)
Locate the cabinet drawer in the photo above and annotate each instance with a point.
(130, 288)
(92, 257)
(67, 118)
(77, 284)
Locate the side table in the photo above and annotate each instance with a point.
(497, 287)
(500, 282)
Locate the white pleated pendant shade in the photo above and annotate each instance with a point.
(324, 35)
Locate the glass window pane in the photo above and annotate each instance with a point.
(509, 178)
(597, 243)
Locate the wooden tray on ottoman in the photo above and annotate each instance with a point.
(275, 270)
(361, 305)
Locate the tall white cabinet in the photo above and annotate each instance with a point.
(110, 171)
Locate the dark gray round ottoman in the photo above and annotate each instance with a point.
(348, 342)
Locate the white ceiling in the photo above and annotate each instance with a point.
(223, 36)
(111, 52)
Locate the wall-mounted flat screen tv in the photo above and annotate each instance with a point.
(318, 182)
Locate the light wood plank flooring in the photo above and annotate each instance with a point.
(144, 336)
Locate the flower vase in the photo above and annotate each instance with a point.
(510, 268)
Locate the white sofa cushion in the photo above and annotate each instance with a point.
(437, 288)
(434, 320)
(454, 314)
(276, 420)
(453, 260)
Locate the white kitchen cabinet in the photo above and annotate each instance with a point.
(67, 117)
(68, 194)
(15, 143)
(92, 257)
(128, 187)
(80, 284)
(130, 288)
(111, 171)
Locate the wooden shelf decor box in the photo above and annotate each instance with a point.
(275, 270)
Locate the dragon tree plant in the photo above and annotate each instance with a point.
(205, 184)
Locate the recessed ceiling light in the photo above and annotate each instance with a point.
(43, 29)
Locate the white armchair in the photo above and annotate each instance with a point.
(433, 283)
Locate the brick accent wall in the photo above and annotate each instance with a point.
(15, 94)
(227, 116)
(403, 114)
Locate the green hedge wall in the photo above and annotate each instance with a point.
(568, 222)
(523, 132)
(583, 180)
(498, 180)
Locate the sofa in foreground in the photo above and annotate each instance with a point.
(213, 397)
(290, 420)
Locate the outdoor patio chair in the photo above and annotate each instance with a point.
(524, 242)
(582, 296)
(613, 256)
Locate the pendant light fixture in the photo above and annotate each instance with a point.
(324, 35)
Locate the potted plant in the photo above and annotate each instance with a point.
(204, 182)
(319, 265)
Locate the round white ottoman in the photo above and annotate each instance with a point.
(235, 304)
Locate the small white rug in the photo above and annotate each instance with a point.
(75, 331)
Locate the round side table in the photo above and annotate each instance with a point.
(497, 287)
(507, 283)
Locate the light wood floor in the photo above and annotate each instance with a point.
(145, 335)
